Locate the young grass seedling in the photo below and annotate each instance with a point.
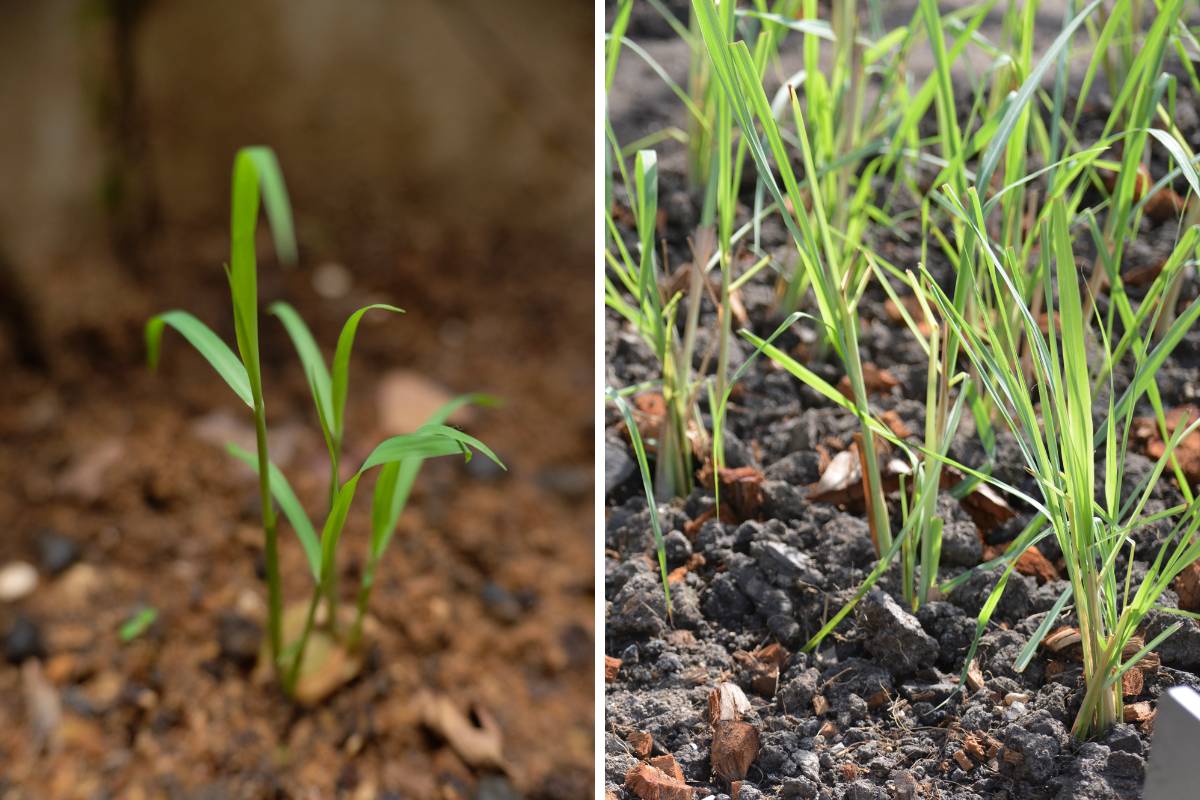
(256, 174)
(1059, 447)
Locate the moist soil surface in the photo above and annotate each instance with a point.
(877, 711)
(118, 492)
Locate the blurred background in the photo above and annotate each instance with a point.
(438, 154)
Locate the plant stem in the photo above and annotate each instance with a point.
(360, 612)
(271, 546)
(293, 673)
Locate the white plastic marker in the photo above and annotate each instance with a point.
(1170, 772)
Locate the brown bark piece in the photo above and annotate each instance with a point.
(974, 676)
(641, 742)
(1032, 562)
(734, 748)
(611, 667)
(1132, 682)
(1138, 713)
(727, 703)
(670, 766)
(651, 783)
(1187, 586)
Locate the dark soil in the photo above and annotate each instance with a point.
(877, 711)
(114, 490)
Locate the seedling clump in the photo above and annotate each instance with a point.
(304, 670)
(951, 263)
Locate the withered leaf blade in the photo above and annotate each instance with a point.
(479, 745)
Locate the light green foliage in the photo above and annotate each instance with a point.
(1006, 189)
(257, 176)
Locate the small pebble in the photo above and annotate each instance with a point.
(17, 579)
(23, 641)
(501, 603)
(56, 552)
(238, 639)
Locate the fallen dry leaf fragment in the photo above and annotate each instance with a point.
(478, 742)
(727, 702)
(611, 667)
(651, 783)
(820, 704)
(641, 742)
(838, 479)
(876, 380)
(734, 748)
(43, 709)
(1187, 452)
(895, 424)
(913, 306)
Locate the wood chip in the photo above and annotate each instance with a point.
(611, 667)
(670, 766)
(1187, 586)
(974, 676)
(1132, 682)
(734, 748)
(1138, 713)
(974, 747)
(1032, 562)
(641, 742)
(1010, 756)
(820, 704)
(651, 783)
(963, 760)
(727, 703)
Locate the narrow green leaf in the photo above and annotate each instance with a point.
(207, 343)
(341, 365)
(137, 624)
(281, 490)
(310, 358)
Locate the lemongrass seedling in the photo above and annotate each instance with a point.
(837, 284)
(633, 290)
(254, 168)
(639, 452)
(256, 175)
(1059, 446)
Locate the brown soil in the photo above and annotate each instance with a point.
(170, 522)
